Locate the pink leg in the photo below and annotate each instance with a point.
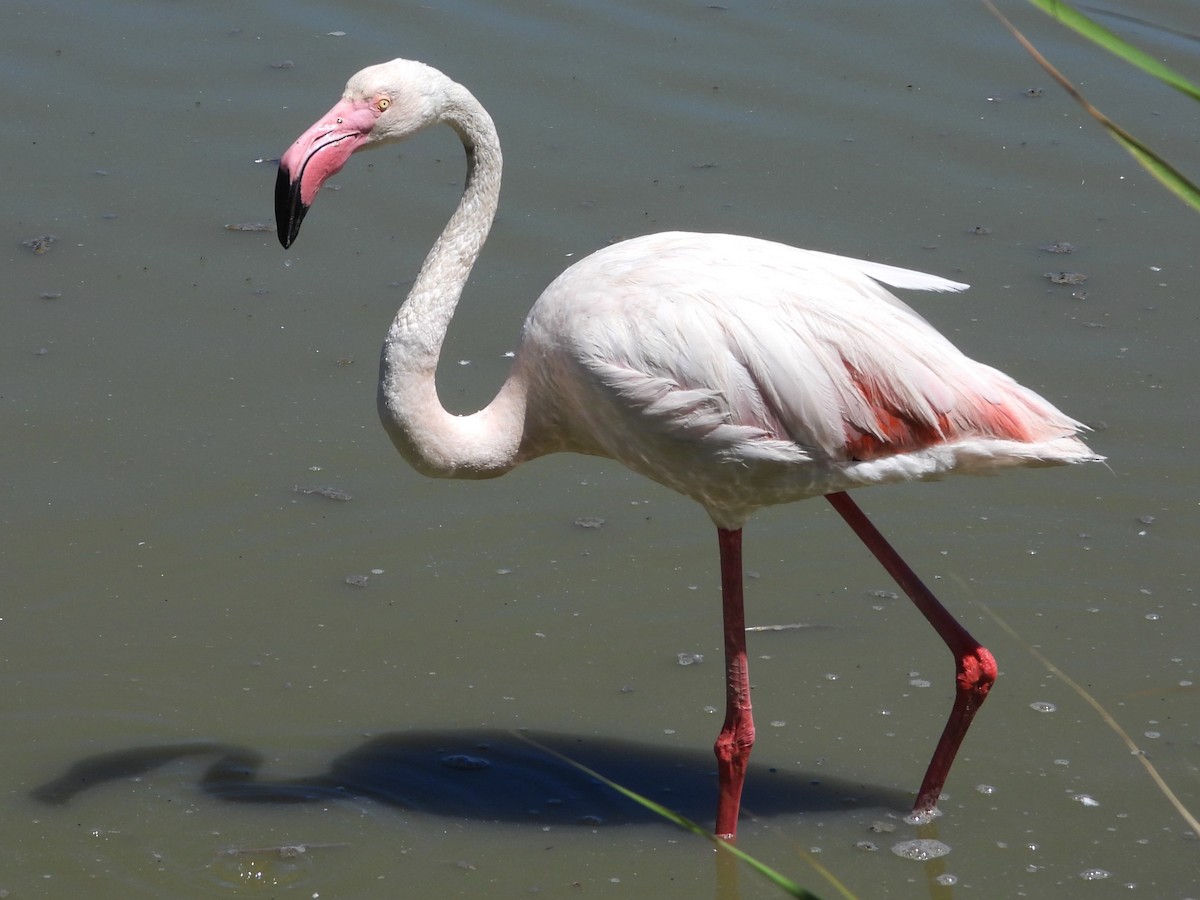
(737, 734)
(975, 667)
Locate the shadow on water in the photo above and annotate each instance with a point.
(488, 775)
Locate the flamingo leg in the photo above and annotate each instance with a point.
(975, 667)
(737, 734)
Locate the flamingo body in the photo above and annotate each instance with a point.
(737, 371)
(745, 373)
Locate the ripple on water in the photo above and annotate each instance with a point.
(287, 866)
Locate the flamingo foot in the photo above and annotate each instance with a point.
(733, 754)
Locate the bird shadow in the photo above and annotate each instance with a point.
(488, 775)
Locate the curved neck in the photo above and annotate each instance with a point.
(434, 441)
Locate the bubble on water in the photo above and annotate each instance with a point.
(921, 849)
(866, 845)
(919, 682)
(1153, 734)
(1085, 800)
(946, 879)
(986, 789)
(829, 676)
(1043, 706)
(1152, 617)
(924, 817)
(689, 659)
(1062, 762)
(1093, 874)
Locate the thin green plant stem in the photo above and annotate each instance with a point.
(1102, 37)
(1170, 177)
(772, 875)
(1104, 714)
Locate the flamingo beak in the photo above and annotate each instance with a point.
(289, 210)
(314, 157)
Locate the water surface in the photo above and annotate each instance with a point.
(167, 383)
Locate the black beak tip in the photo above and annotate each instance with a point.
(289, 208)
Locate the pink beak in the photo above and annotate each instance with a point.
(314, 157)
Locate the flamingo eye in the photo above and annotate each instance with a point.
(383, 103)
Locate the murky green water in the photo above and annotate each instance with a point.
(167, 383)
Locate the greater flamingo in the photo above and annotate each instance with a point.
(737, 371)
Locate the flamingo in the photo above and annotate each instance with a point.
(737, 371)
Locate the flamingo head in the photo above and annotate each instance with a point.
(387, 102)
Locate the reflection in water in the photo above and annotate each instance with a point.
(487, 775)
